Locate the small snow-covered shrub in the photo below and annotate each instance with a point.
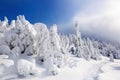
(15, 51)
(26, 67)
(5, 63)
(50, 64)
(111, 58)
(57, 59)
(52, 70)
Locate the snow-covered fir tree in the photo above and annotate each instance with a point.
(78, 42)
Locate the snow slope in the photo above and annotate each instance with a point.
(66, 73)
(84, 70)
(110, 71)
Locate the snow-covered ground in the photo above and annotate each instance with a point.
(83, 70)
(110, 71)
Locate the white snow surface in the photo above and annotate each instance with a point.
(110, 71)
(84, 70)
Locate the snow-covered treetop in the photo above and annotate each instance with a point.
(22, 19)
(53, 29)
(77, 28)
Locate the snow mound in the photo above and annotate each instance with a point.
(26, 68)
(5, 63)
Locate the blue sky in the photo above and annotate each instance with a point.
(46, 11)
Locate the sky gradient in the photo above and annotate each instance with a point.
(46, 11)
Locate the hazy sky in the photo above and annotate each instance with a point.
(100, 18)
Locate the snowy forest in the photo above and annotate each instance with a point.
(24, 47)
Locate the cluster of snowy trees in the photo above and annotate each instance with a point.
(30, 44)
